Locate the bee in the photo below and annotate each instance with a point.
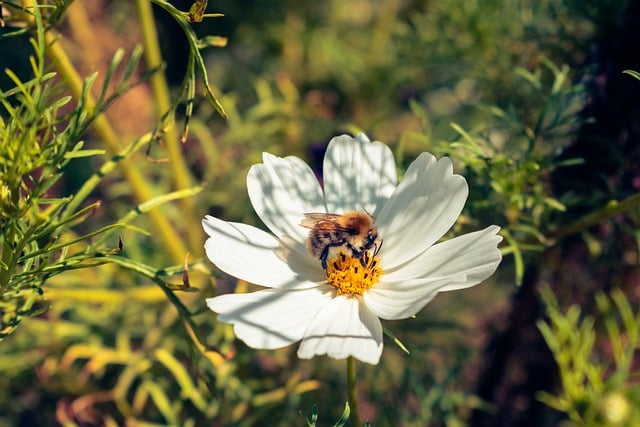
(354, 230)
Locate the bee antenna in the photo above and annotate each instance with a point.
(378, 247)
(368, 213)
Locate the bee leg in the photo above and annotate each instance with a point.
(356, 253)
(323, 257)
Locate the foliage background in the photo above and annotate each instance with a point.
(528, 98)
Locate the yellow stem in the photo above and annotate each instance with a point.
(180, 172)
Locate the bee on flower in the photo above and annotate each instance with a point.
(327, 275)
(353, 230)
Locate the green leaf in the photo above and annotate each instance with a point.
(396, 340)
(632, 73)
(342, 421)
(84, 153)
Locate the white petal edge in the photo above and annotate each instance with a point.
(248, 253)
(282, 190)
(271, 318)
(459, 263)
(358, 174)
(343, 328)
(425, 205)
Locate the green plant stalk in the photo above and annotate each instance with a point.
(351, 391)
(180, 172)
(195, 59)
(141, 189)
(609, 210)
(5, 273)
(90, 184)
(151, 274)
(149, 205)
(582, 224)
(11, 254)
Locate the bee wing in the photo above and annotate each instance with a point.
(309, 220)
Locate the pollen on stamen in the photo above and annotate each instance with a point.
(348, 275)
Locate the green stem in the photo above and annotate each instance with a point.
(611, 209)
(154, 275)
(6, 272)
(92, 183)
(352, 393)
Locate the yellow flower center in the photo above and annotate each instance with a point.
(350, 276)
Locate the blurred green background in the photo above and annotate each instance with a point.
(530, 100)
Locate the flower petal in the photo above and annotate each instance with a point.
(358, 174)
(344, 327)
(463, 256)
(458, 263)
(281, 191)
(303, 263)
(271, 318)
(424, 206)
(249, 253)
(389, 303)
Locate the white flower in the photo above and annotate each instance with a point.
(299, 303)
